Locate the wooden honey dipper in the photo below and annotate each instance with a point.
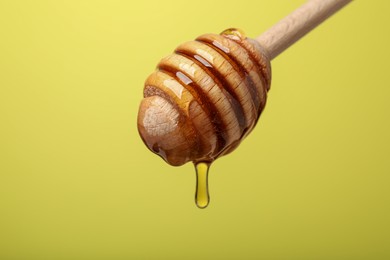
(207, 96)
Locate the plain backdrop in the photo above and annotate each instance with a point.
(76, 181)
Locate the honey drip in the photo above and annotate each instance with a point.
(202, 197)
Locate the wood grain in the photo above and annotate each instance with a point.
(294, 26)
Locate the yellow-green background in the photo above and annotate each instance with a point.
(76, 181)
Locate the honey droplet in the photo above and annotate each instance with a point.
(234, 34)
(202, 197)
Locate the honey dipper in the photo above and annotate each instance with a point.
(207, 96)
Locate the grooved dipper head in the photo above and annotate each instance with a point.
(205, 98)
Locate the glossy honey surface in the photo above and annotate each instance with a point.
(213, 90)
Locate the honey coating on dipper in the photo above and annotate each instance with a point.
(203, 100)
(234, 34)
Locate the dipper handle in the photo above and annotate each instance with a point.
(297, 24)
